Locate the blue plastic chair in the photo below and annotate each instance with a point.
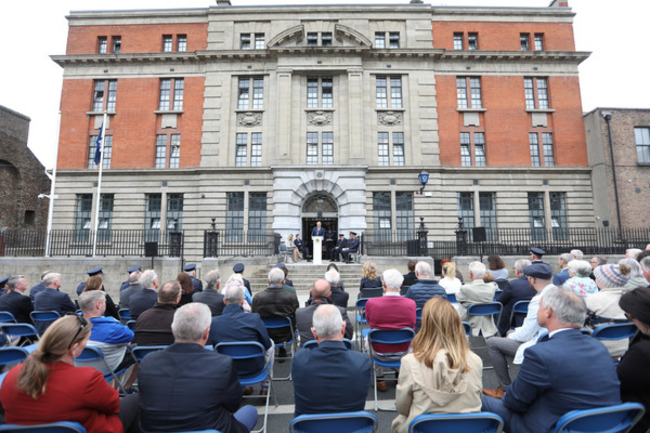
(468, 328)
(139, 352)
(360, 322)
(480, 422)
(7, 317)
(615, 331)
(608, 419)
(92, 354)
(124, 315)
(15, 330)
(344, 422)
(43, 319)
(387, 336)
(521, 308)
(313, 343)
(279, 323)
(11, 355)
(131, 325)
(55, 427)
(451, 297)
(486, 309)
(247, 350)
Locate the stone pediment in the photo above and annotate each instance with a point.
(294, 37)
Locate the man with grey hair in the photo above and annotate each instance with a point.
(15, 301)
(146, 298)
(320, 373)
(515, 290)
(477, 292)
(645, 268)
(566, 371)
(338, 296)
(274, 301)
(426, 288)
(53, 299)
(188, 388)
(133, 287)
(210, 295)
(577, 254)
(236, 325)
(390, 311)
(563, 262)
(320, 294)
(632, 253)
(38, 287)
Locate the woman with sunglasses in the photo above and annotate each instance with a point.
(47, 387)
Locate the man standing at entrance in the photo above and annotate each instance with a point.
(318, 230)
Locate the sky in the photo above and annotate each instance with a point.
(615, 75)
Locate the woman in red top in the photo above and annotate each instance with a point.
(47, 387)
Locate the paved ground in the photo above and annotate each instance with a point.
(280, 416)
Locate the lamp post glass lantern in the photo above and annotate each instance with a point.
(423, 177)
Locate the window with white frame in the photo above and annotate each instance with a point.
(248, 100)
(642, 139)
(105, 217)
(107, 151)
(167, 43)
(326, 144)
(472, 143)
(102, 44)
(558, 215)
(389, 85)
(241, 149)
(103, 100)
(324, 39)
(534, 149)
(181, 43)
(320, 92)
(488, 213)
(466, 208)
(174, 212)
(384, 142)
(381, 210)
(168, 87)
(536, 93)
(539, 41)
(524, 39)
(404, 215)
(117, 44)
(547, 145)
(173, 150)
(545, 153)
(472, 41)
(471, 98)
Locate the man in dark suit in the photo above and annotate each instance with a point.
(568, 371)
(133, 269)
(338, 296)
(274, 301)
(514, 291)
(319, 374)
(147, 297)
(38, 288)
(318, 230)
(188, 388)
(352, 247)
(340, 244)
(236, 325)
(51, 298)
(211, 296)
(319, 295)
(15, 302)
(154, 326)
(133, 288)
(191, 271)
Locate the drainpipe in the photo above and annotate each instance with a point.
(608, 118)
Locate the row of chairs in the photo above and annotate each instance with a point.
(618, 418)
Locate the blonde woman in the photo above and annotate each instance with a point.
(291, 248)
(441, 375)
(449, 280)
(370, 285)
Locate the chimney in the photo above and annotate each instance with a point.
(223, 3)
(559, 4)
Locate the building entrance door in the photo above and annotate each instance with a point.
(308, 224)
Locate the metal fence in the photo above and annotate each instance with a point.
(32, 243)
(239, 243)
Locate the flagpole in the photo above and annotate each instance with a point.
(102, 135)
(50, 210)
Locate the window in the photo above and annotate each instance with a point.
(382, 37)
(105, 219)
(382, 215)
(380, 40)
(466, 208)
(558, 216)
(405, 216)
(523, 39)
(92, 148)
(536, 215)
(175, 154)
(241, 149)
(474, 98)
(383, 148)
(166, 86)
(181, 43)
(245, 41)
(547, 146)
(642, 138)
(246, 101)
(479, 149)
(458, 41)
(465, 152)
(327, 141)
(235, 217)
(102, 44)
(534, 149)
(99, 93)
(539, 41)
(167, 43)
(174, 212)
(161, 151)
(256, 217)
(259, 41)
(488, 213)
(539, 99)
(389, 85)
(326, 39)
(472, 41)
(152, 217)
(466, 149)
(174, 151)
(320, 92)
(83, 210)
(312, 39)
(117, 44)
(256, 38)
(547, 142)
(393, 38)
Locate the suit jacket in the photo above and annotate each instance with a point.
(274, 301)
(236, 325)
(198, 285)
(304, 319)
(353, 245)
(340, 297)
(318, 232)
(561, 277)
(390, 312)
(317, 385)
(17, 304)
(52, 299)
(125, 295)
(188, 388)
(212, 299)
(142, 301)
(477, 292)
(514, 291)
(570, 371)
(36, 289)
(154, 326)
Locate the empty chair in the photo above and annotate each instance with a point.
(55, 427)
(124, 314)
(43, 319)
(344, 422)
(614, 419)
(485, 309)
(519, 308)
(484, 422)
(7, 317)
(15, 330)
(10, 356)
(360, 321)
(91, 356)
(277, 323)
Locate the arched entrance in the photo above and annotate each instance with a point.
(319, 206)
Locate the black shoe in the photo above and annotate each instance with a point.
(282, 353)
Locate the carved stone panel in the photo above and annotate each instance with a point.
(249, 118)
(389, 118)
(319, 118)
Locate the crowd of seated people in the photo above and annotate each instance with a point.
(187, 388)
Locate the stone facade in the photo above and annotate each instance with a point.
(632, 169)
(22, 176)
(344, 104)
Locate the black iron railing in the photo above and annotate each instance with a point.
(32, 243)
(239, 243)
